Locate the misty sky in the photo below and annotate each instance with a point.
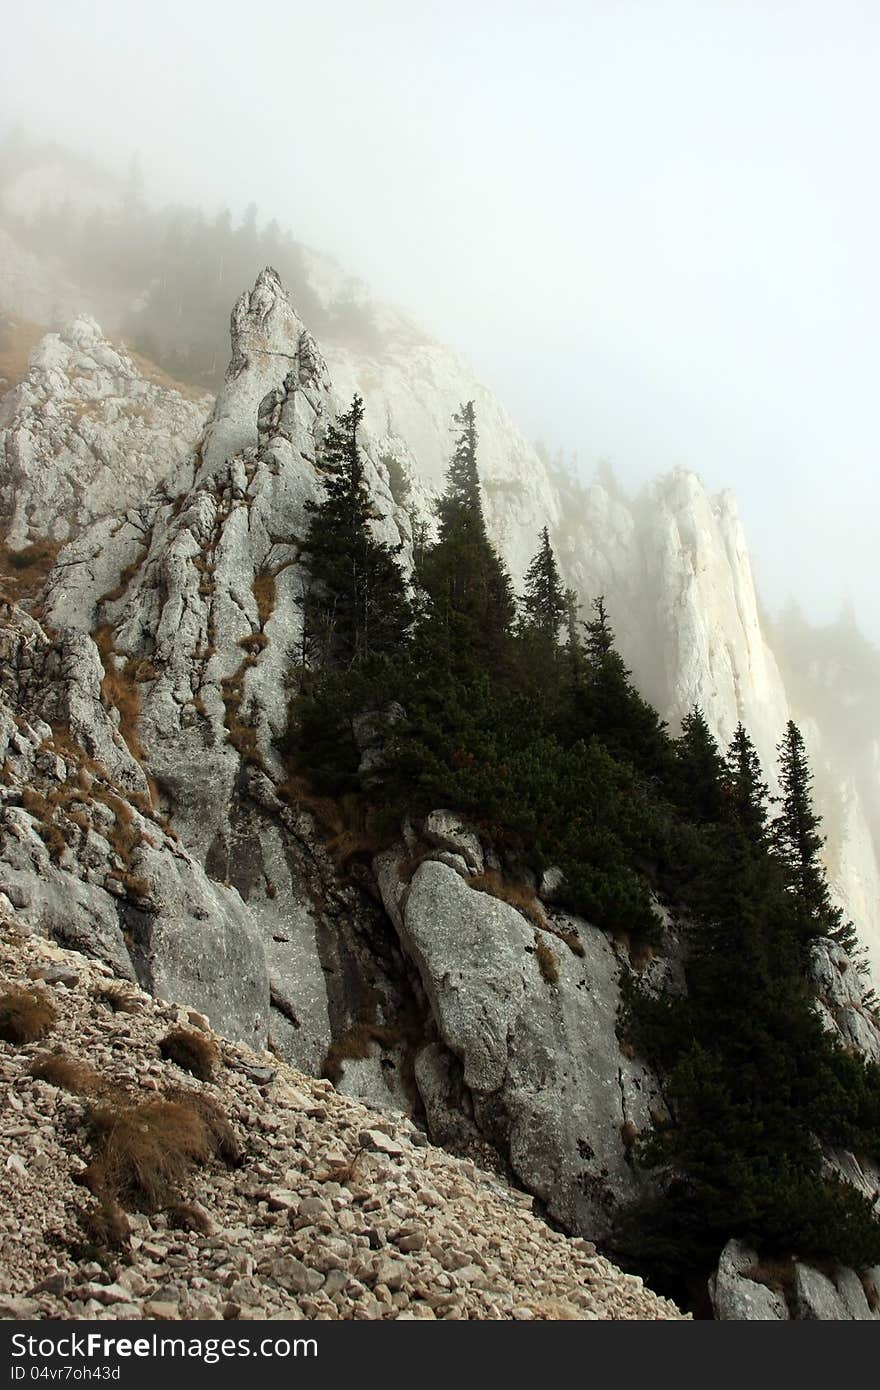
(652, 225)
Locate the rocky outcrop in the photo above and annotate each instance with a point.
(746, 1288)
(178, 625)
(527, 1058)
(86, 858)
(331, 1210)
(149, 818)
(86, 433)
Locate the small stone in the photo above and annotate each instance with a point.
(295, 1276)
(261, 1076)
(165, 1312)
(282, 1199)
(390, 1272)
(380, 1143)
(416, 1241)
(55, 975)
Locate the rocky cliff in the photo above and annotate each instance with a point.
(147, 818)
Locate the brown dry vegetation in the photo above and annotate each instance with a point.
(23, 573)
(254, 642)
(116, 996)
(26, 1015)
(518, 895)
(547, 962)
(242, 736)
(264, 592)
(59, 1069)
(119, 691)
(127, 574)
(776, 1274)
(144, 1152)
(629, 1134)
(106, 1226)
(43, 812)
(192, 1051)
(186, 1216)
(347, 824)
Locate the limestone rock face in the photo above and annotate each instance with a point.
(735, 1296)
(86, 434)
(184, 612)
(85, 857)
(547, 1081)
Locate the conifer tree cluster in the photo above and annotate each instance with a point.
(529, 723)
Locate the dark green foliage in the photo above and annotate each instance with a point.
(544, 601)
(467, 590)
(608, 706)
(797, 842)
(553, 753)
(755, 1083)
(699, 769)
(746, 790)
(356, 606)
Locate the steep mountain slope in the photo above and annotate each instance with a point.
(324, 1208)
(149, 819)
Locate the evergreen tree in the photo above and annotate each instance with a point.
(699, 769)
(544, 600)
(608, 705)
(746, 789)
(798, 844)
(356, 606)
(471, 603)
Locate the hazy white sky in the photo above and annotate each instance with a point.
(653, 225)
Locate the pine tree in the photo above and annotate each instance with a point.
(356, 606)
(544, 600)
(699, 768)
(798, 844)
(746, 789)
(470, 594)
(608, 705)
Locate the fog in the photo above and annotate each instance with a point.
(651, 226)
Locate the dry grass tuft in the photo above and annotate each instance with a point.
(186, 1216)
(254, 642)
(265, 593)
(43, 813)
(629, 1134)
(117, 997)
(192, 1051)
(518, 895)
(24, 572)
(223, 1139)
(57, 1069)
(26, 1015)
(547, 962)
(776, 1274)
(119, 691)
(106, 1225)
(144, 1152)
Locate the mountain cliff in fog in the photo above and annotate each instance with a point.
(154, 582)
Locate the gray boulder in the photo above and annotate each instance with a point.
(546, 1079)
(736, 1297)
